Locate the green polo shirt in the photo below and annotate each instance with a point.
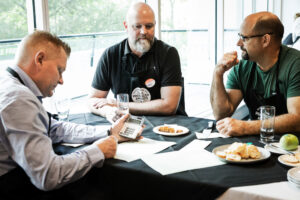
(265, 82)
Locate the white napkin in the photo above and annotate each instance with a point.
(211, 135)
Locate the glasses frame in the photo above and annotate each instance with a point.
(244, 38)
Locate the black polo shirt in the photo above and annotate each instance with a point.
(118, 61)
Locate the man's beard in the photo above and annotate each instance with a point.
(143, 45)
(245, 54)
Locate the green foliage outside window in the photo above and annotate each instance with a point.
(86, 16)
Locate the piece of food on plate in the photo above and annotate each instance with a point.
(289, 159)
(233, 157)
(221, 154)
(236, 148)
(238, 151)
(179, 131)
(253, 151)
(297, 155)
(166, 129)
(169, 129)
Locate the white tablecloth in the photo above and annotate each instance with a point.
(271, 191)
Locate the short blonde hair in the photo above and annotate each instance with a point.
(38, 37)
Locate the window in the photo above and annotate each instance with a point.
(185, 24)
(13, 23)
(233, 18)
(89, 27)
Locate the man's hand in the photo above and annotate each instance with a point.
(229, 59)
(231, 127)
(100, 102)
(103, 107)
(118, 125)
(108, 146)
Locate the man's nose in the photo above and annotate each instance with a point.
(143, 30)
(61, 81)
(239, 42)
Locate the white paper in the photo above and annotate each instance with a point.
(211, 135)
(133, 150)
(71, 144)
(196, 145)
(188, 158)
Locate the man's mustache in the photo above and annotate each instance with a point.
(243, 49)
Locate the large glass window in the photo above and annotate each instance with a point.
(89, 27)
(185, 24)
(233, 17)
(13, 23)
(261, 5)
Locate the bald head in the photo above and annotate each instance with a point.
(140, 26)
(139, 9)
(265, 22)
(39, 41)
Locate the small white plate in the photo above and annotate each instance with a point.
(265, 154)
(176, 127)
(294, 175)
(277, 150)
(288, 163)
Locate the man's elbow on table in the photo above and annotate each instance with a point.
(45, 184)
(219, 116)
(169, 109)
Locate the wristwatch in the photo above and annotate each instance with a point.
(109, 132)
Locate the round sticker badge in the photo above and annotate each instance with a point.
(140, 95)
(150, 82)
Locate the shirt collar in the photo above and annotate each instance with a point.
(28, 81)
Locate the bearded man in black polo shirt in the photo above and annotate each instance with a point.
(145, 68)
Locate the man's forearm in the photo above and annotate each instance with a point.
(283, 124)
(154, 107)
(287, 123)
(219, 98)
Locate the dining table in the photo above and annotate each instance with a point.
(119, 179)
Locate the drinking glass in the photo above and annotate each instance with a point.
(123, 103)
(63, 108)
(267, 120)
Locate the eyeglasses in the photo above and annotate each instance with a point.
(140, 26)
(244, 38)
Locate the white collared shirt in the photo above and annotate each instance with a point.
(24, 139)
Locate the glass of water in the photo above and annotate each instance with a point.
(123, 103)
(63, 108)
(267, 120)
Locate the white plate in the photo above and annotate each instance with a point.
(294, 175)
(265, 154)
(287, 163)
(278, 151)
(176, 127)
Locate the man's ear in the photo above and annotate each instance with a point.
(39, 58)
(266, 40)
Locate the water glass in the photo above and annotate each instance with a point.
(62, 108)
(123, 103)
(267, 120)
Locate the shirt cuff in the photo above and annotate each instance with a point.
(96, 156)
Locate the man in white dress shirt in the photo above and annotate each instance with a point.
(27, 132)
